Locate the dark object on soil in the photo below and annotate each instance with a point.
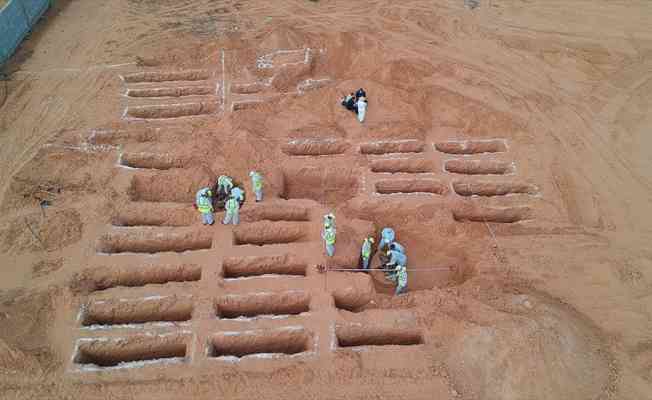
(471, 4)
(349, 103)
(220, 196)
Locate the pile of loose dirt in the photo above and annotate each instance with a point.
(543, 352)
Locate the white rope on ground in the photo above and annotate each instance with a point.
(381, 269)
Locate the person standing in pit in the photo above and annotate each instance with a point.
(366, 252)
(238, 194)
(257, 184)
(361, 106)
(224, 183)
(398, 267)
(231, 215)
(328, 234)
(397, 247)
(204, 204)
(387, 237)
(329, 219)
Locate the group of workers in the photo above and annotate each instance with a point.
(392, 253)
(231, 197)
(228, 196)
(357, 103)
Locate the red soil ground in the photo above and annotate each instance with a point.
(506, 145)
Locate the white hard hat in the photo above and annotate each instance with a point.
(251, 173)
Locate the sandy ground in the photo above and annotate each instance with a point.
(506, 145)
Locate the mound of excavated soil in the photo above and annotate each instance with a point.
(546, 353)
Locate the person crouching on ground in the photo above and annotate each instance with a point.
(349, 102)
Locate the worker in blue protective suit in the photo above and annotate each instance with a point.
(257, 184)
(387, 237)
(329, 219)
(238, 194)
(232, 212)
(397, 246)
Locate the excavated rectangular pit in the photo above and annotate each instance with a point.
(288, 341)
(153, 309)
(257, 304)
(315, 147)
(248, 88)
(167, 76)
(392, 146)
(172, 91)
(151, 160)
(491, 214)
(246, 105)
(102, 278)
(398, 165)
(410, 186)
(472, 146)
(172, 110)
(479, 167)
(327, 185)
(265, 233)
(354, 335)
(155, 214)
(493, 188)
(169, 186)
(104, 352)
(275, 212)
(241, 267)
(153, 240)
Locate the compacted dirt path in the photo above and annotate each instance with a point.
(506, 145)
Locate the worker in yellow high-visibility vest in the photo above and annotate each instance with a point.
(328, 234)
(204, 204)
(366, 251)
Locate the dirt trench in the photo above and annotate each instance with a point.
(315, 147)
(172, 186)
(492, 214)
(102, 278)
(392, 146)
(353, 335)
(479, 167)
(410, 186)
(493, 188)
(167, 76)
(113, 352)
(155, 214)
(153, 240)
(269, 341)
(402, 165)
(173, 110)
(171, 91)
(256, 304)
(327, 185)
(275, 212)
(155, 309)
(265, 233)
(241, 267)
(472, 146)
(152, 160)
